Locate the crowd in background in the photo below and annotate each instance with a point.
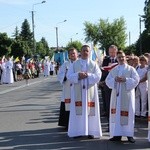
(13, 71)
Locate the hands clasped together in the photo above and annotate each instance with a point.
(120, 79)
(82, 75)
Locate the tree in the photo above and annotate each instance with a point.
(5, 43)
(75, 44)
(45, 44)
(16, 34)
(106, 34)
(42, 48)
(26, 34)
(142, 44)
(147, 15)
(20, 48)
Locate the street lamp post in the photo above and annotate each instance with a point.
(140, 21)
(33, 25)
(71, 38)
(57, 33)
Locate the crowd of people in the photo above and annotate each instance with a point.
(16, 70)
(123, 82)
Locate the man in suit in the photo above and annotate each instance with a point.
(105, 90)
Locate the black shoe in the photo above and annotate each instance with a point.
(131, 139)
(90, 137)
(76, 137)
(137, 116)
(115, 138)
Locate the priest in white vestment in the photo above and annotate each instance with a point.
(9, 71)
(84, 119)
(66, 95)
(122, 80)
(46, 68)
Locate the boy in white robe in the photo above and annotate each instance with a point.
(84, 119)
(122, 80)
(66, 95)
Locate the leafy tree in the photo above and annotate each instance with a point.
(142, 44)
(16, 34)
(145, 40)
(130, 49)
(147, 15)
(5, 43)
(75, 44)
(105, 33)
(42, 48)
(26, 34)
(45, 44)
(20, 48)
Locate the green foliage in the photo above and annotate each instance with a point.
(75, 44)
(5, 43)
(105, 33)
(142, 44)
(147, 15)
(130, 49)
(42, 48)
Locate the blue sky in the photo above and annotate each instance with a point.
(49, 15)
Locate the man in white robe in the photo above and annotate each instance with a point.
(66, 95)
(9, 71)
(84, 119)
(122, 80)
(46, 68)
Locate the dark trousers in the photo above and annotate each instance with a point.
(107, 93)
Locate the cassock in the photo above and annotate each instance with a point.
(122, 104)
(84, 114)
(65, 98)
(9, 72)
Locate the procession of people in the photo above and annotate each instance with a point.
(123, 81)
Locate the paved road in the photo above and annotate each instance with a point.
(29, 116)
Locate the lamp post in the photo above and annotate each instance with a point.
(140, 20)
(71, 38)
(33, 26)
(57, 33)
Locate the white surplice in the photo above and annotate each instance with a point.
(83, 125)
(9, 72)
(61, 75)
(116, 129)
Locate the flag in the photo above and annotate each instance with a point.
(17, 59)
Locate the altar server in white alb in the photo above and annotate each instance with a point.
(122, 80)
(84, 119)
(65, 99)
